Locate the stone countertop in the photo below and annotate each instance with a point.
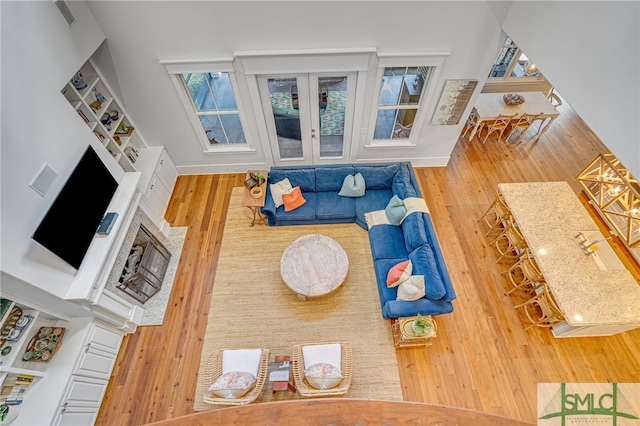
(550, 215)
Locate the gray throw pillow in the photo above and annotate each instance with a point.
(353, 186)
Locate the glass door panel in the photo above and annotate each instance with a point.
(332, 107)
(285, 109)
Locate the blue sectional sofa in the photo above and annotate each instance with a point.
(414, 239)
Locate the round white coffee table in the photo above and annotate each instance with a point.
(313, 266)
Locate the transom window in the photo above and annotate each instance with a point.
(401, 91)
(513, 63)
(214, 103)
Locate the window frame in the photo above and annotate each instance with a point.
(176, 70)
(432, 60)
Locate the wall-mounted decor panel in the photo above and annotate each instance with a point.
(453, 101)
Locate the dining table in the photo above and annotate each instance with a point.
(490, 105)
(596, 293)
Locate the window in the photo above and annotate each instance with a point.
(513, 63)
(217, 114)
(401, 92)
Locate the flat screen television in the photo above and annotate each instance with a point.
(72, 220)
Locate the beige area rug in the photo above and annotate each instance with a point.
(251, 306)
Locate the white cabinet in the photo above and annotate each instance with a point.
(84, 391)
(160, 188)
(68, 388)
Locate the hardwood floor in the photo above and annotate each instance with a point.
(482, 359)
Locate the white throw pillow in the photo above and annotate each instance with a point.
(279, 188)
(323, 375)
(412, 289)
(233, 384)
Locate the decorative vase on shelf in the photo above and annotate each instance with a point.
(78, 81)
(99, 96)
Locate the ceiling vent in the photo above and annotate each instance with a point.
(66, 13)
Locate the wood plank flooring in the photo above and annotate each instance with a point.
(482, 359)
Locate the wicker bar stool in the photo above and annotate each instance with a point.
(525, 275)
(496, 215)
(542, 310)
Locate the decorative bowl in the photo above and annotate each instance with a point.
(513, 99)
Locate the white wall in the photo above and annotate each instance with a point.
(140, 34)
(40, 54)
(590, 51)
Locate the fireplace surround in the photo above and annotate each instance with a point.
(145, 267)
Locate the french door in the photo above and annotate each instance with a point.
(309, 116)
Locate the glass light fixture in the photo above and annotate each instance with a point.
(616, 194)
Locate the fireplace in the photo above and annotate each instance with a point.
(145, 267)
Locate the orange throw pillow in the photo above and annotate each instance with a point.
(293, 200)
(400, 273)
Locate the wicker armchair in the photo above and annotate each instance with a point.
(306, 390)
(213, 369)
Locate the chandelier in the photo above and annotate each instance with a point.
(616, 193)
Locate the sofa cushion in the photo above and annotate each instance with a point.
(373, 200)
(277, 189)
(333, 206)
(401, 185)
(304, 178)
(378, 177)
(395, 210)
(353, 186)
(412, 289)
(387, 242)
(413, 231)
(331, 178)
(399, 273)
(293, 199)
(424, 263)
(305, 212)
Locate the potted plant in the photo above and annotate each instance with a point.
(421, 325)
(260, 178)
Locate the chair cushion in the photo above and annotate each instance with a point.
(399, 273)
(279, 188)
(330, 353)
(293, 199)
(323, 375)
(233, 384)
(241, 360)
(353, 186)
(395, 210)
(411, 289)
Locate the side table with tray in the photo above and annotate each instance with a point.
(280, 374)
(404, 336)
(254, 194)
